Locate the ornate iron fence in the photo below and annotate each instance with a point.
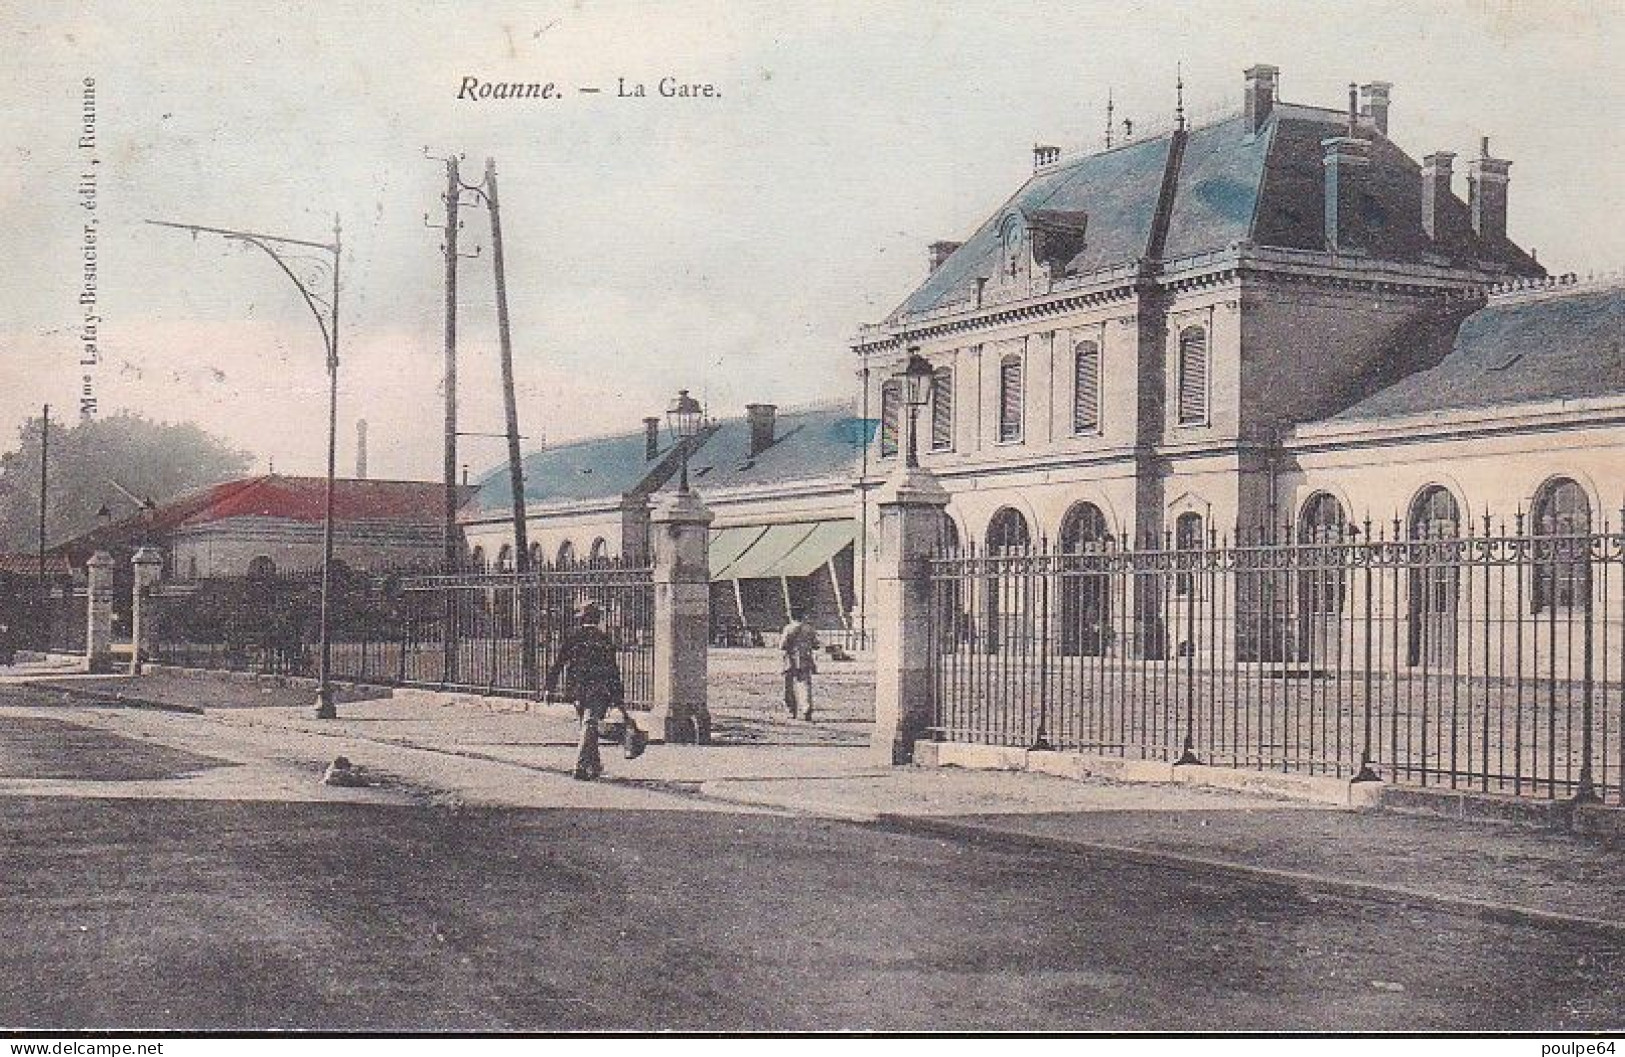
(1490, 661)
(464, 630)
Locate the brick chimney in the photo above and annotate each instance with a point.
(361, 449)
(941, 251)
(1261, 87)
(651, 437)
(1346, 161)
(1487, 192)
(761, 427)
(1436, 172)
(1374, 104)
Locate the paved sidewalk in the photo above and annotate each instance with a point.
(519, 755)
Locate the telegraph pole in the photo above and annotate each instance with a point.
(44, 462)
(516, 471)
(454, 192)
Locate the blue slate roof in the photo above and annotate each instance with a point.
(602, 468)
(809, 443)
(1563, 347)
(1231, 187)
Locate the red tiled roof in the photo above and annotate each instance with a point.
(304, 499)
(28, 565)
(276, 496)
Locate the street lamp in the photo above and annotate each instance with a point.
(683, 418)
(278, 248)
(917, 377)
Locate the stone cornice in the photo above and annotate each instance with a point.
(1459, 424)
(1213, 269)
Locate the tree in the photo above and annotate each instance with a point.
(152, 460)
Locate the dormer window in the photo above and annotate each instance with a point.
(1012, 234)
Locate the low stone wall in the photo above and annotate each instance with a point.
(1596, 820)
(341, 691)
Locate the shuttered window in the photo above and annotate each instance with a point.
(890, 405)
(1086, 388)
(1192, 376)
(1010, 398)
(942, 409)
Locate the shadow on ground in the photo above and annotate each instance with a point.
(211, 915)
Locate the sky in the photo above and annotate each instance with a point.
(728, 245)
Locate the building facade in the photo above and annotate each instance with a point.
(1123, 348)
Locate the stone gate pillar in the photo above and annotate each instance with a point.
(99, 613)
(149, 566)
(680, 533)
(910, 506)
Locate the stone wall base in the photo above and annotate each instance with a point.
(1596, 820)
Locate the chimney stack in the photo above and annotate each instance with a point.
(1346, 161)
(1044, 156)
(651, 437)
(1436, 173)
(1261, 87)
(941, 251)
(361, 449)
(1487, 192)
(1374, 104)
(761, 427)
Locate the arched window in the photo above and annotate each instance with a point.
(891, 406)
(1321, 577)
(1085, 588)
(1010, 398)
(1086, 387)
(535, 555)
(1083, 527)
(261, 567)
(505, 559)
(1435, 578)
(567, 554)
(1007, 531)
(942, 409)
(948, 534)
(1192, 376)
(476, 560)
(1435, 515)
(1562, 513)
(599, 553)
(191, 567)
(1187, 537)
(1322, 520)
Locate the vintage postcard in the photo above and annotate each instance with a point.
(735, 517)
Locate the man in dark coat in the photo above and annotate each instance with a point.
(799, 644)
(592, 681)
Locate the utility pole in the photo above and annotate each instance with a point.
(44, 462)
(516, 471)
(325, 707)
(454, 193)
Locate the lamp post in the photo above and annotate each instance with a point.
(281, 249)
(917, 378)
(683, 418)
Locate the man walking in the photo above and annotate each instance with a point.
(799, 643)
(592, 680)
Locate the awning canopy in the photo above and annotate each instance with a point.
(772, 551)
(729, 543)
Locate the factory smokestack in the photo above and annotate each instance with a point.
(361, 449)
